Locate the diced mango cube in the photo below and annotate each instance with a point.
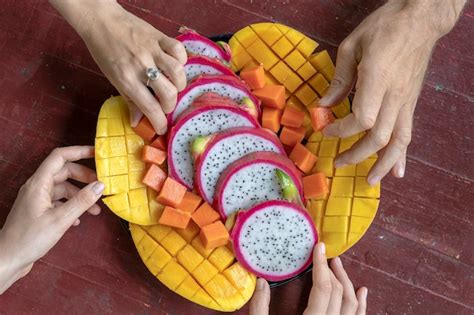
(271, 35)
(188, 288)
(146, 247)
(348, 170)
(342, 187)
(102, 167)
(306, 94)
(336, 224)
(241, 59)
(222, 258)
(365, 207)
(292, 82)
(313, 147)
(363, 189)
(173, 243)
(263, 54)
(325, 165)
(189, 258)
(282, 47)
(306, 71)
(135, 143)
(115, 127)
(224, 293)
(337, 206)
(280, 71)
(158, 259)
(331, 238)
(138, 197)
(102, 148)
(190, 232)
(260, 28)
(201, 297)
(238, 276)
(135, 180)
(159, 231)
(135, 165)
(328, 149)
(307, 46)
(140, 214)
(365, 166)
(341, 110)
(294, 36)
(319, 83)
(172, 275)
(295, 59)
(118, 202)
(118, 184)
(102, 130)
(117, 146)
(118, 165)
(321, 60)
(245, 36)
(359, 224)
(197, 244)
(204, 272)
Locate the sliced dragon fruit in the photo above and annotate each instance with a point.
(224, 85)
(274, 240)
(257, 177)
(216, 152)
(201, 65)
(204, 118)
(197, 44)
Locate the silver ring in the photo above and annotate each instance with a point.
(152, 74)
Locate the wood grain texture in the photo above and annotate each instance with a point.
(417, 258)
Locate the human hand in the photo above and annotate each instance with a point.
(38, 218)
(332, 291)
(124, 46)
(386, 57)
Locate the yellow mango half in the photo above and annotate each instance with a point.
(290, 59)
(176, 257)
(119, 167)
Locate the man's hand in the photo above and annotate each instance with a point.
(124, 46)
(332, 291)
(386, 57)
(39, 217)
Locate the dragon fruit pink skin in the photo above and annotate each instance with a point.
(224, 85)
(274, 240)
(197, 44)
(253, 179)
(225, 147)
(201, 65)
(201, 120)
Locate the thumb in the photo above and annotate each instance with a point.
(344, 77)
(83, 200)
(259, 305)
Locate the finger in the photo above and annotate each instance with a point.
(335, 302)
(398, 170)
(259, 305)
(64, 190)
(173, 69)
(344, 77)
(165, 92)
(150, 106)
(135, 114)
(395, 149)
(174, 48)
(321, 291)
(376, 139)
(82, 201)
(60, 156)
(370, 91)
(75, 171)
(76, 222)
(362, 301)
(349, 299)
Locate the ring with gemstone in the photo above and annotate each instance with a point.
(152, 74)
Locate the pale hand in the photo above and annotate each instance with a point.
(386, 57)
(332, 291)
(38, 218)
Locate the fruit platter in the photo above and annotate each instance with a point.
(243, 184)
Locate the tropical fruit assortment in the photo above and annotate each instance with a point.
(243, 184)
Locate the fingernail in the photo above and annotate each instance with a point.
(365, 293)
(322, 248)
(374, 180)
(401, 171)
(260, 284)
(98, 188)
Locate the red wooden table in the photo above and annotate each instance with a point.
(417, 258)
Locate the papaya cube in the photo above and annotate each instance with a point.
(271, 119)
(159, 143)
(134, 143)
(190, 202)
(172, 193)
(158, 259)
(145, 130)
(205, 215)
(197, 244)
(214, 235)
(328, 149)
(175, 218)
(343, 186)
(307, 46)
(306, 94)
(281, 71)
(292, 117)
(306, 71)
(154, 177)
(315, 186)
(118, 184)
(337, 206)
(295, 59)
(271, 96)
(254, 76)
(282, 47)
(291, 136)
(320, 117)
(365, 207)
(363, 189)
(172, 275)
(173, 243)
(204, 272)
(222, 258)
(102, 130)
(189, 258)
(153, 155)
(303, 158)
(188, 288)
(102, 149)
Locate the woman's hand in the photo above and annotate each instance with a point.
(124, 46)
(332, 291)
(39, 218)
(386, 58)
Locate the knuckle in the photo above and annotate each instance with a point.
(170, 93)
(380, 139)
(404, 137)
(337, 288)
(352, 302)
(346, 46)
(366, 121)
(325, 286)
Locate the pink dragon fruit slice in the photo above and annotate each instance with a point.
(196, 44)
(213, 154)
(203, 119)
(224, 85)
(201, 65)
(274, 240)
(254, 178)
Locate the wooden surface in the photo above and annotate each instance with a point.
(417, 258)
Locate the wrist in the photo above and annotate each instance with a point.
(10, 269)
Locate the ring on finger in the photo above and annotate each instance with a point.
(152, 74)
